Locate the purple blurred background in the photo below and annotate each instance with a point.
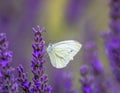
(81, 20)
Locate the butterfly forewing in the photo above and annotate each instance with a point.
(67, 48)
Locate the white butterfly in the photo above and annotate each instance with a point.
(62, 53)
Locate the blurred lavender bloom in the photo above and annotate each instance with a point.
(86, 80)
(57, 81)
(91, 52)
(112, 49)
(40, 79)
(115, 16)
(90, 57)
(112, 38)
(68, 83)
(112, 46)
(8, 83)
(96, 68)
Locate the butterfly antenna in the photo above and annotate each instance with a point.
(43, 29)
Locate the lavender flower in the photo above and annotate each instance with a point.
(96, 68)
(115, 16)
(86, 80)
(40, 79)
(68, 83)
(24, 84)
(91, 52)
(7, 81)
(112, 38)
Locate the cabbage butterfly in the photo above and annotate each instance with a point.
(62, 53)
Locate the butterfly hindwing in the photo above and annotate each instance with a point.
(57, 61)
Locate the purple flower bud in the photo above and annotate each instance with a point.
(22, 79)
(84, 70)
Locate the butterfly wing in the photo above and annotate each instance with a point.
(67, 49)
(57, 61)
(62, 52)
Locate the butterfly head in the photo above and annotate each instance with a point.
(49, 48)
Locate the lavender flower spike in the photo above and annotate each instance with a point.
(68, 83)
(96, 68)
(24, 84)
(8, 83)
(112, 39)
(40, 79)
(115, 16)
(86, 80)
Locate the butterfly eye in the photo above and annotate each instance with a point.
(49, 49)
(71, 51)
